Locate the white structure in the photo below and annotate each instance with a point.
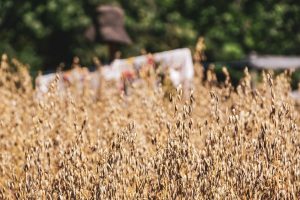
(274, 62)
(179, 62)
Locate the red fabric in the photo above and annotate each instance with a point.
(128, 75)
(150, 60)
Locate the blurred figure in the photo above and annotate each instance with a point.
(109, 28)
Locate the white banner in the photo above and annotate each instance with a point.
(178, 62)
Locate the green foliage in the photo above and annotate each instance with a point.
(295, 79)
(43, 33)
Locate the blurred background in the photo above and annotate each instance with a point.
(45, 33)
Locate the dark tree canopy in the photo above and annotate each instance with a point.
(44, 33)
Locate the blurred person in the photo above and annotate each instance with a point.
(109, 28)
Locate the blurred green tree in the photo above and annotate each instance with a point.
(43, 33)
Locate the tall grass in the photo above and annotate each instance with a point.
(220, 143)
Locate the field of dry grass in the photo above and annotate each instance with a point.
(219, 143)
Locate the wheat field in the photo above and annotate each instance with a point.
(220, 142)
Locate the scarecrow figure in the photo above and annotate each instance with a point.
(109, 28)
